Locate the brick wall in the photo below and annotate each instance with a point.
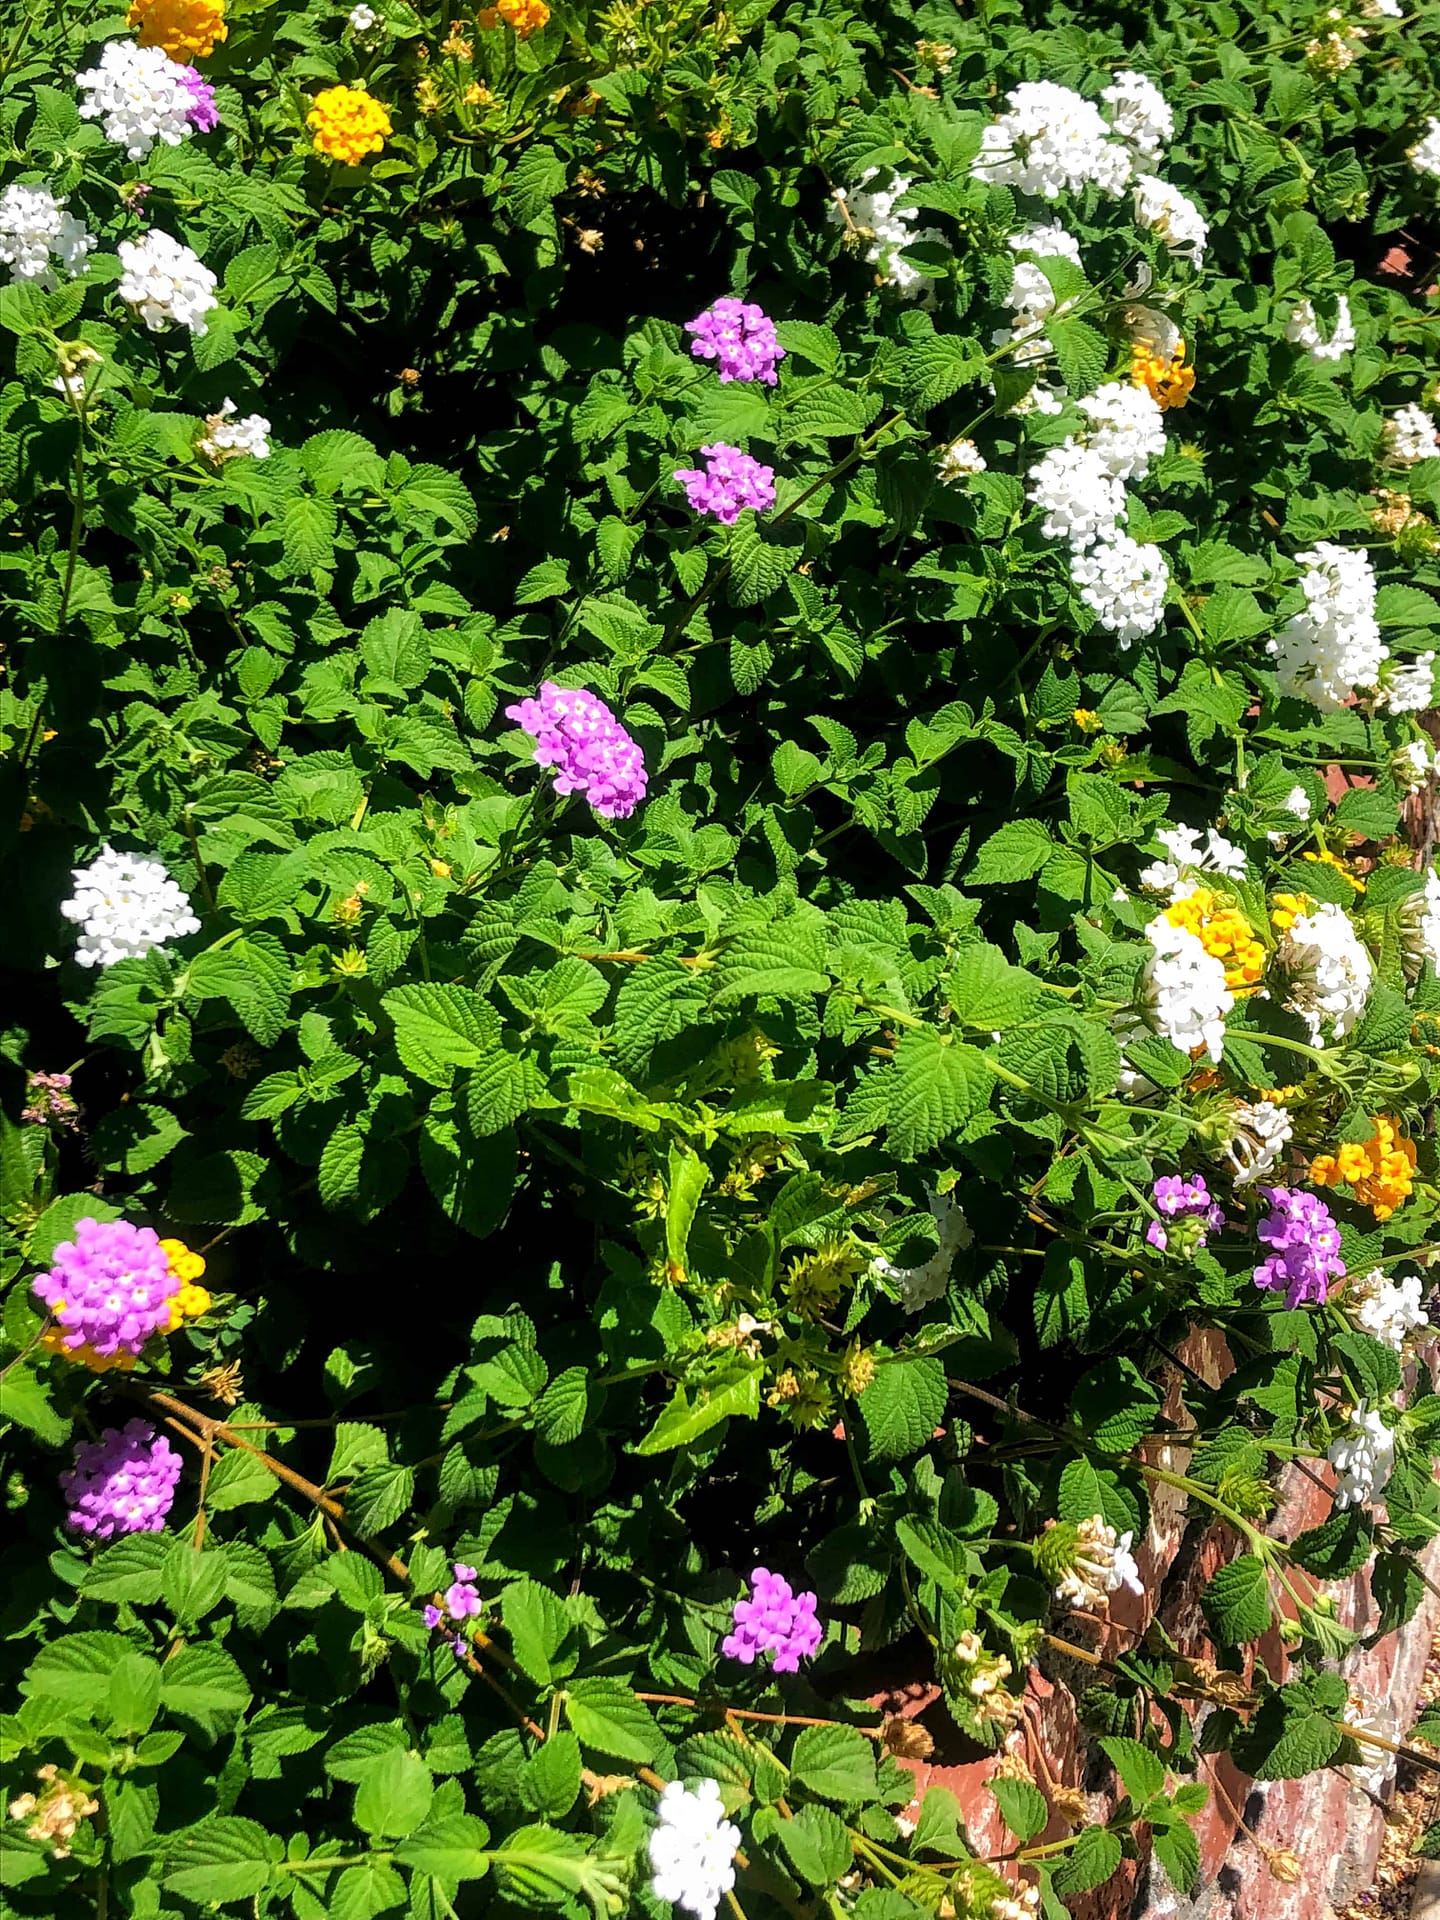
(1330, 1823)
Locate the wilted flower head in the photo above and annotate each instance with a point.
(54, 1814)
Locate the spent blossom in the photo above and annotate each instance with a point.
(1304, 1244)
(1325, 653)
(729, 483)
(1162, 209)
(1409, 436)
(165, 282)
(578, 735)
(125, 904)
(139, 96)
(774, 1620)
(959, 460)
(1303, 330)
(36, 234)
(692, 1848)
(1050, 140)
(54, 1814)
(1192, 1211)
(124, 1482)
(1139, 113)
(740, 338)
(1363, 1457)
(887, 227)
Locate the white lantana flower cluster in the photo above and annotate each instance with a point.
(1420, 926)
(959, 460)
(887, 227)
(1363, 1458)
(363, 19)
(1409, 436)
(1424, 156)
(1388, 1310)
(1263, 1130)
(1329, 971)
(165, 282)
(1184, 994)
(1413, 764)
(125, 904)
(1050, 140)
(1139, 113)
(920, 1285)
(138, 95)
(1032, 298)
(1080, 490)
(1325, 653)
(1190, 854)
(36, 232)
(1163, 209)
(693, 1848)
(1302, 329)
(226, 438)
(1408, 686)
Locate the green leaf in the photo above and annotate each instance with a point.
(836, 1762)
(76, 1669)
(731, 1392)
(453, 1846)
(1016, 851)
(395, 1794)
(309, 526)
(378, 1497)
(253, 974)
(550, 1779)
(203, 1684)
(687, 1181)
(817, 1845)
(1022, 1807)
(538, 1626)
(1237, 1601)
(220, 1861)
(440, 1027)
(607, 1717)
(902, 1407)
(938, 1085)
(1142, 1773)
(1090, 1862)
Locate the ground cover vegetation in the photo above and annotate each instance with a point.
(713, 732)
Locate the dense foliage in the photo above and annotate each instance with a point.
(812, 1153)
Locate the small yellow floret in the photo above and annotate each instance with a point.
(523, 17)
(1381, 1169)
(1327, 859)
(348, 124)
(187, 29)
(1286, 909)
(1086, 720)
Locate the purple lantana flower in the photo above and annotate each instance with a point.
(740, 338)
(730, 482)
(1305, 1247)
(774, 1620)
(202, 113)
(124, 1482)
(1184, 1201)
(110, 1287)
(591, 752)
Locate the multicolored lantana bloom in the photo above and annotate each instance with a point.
(113, 1287)
(1190, 1208)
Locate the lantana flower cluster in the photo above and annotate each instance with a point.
(1189, 1214)
(773, 1620)
(578, 735)
(113, 1287)
(1304, 1244)
(125, 904)
(1333, 647)
(37, 235)
(124, 1482)
(141, 96)
(1380, 1170)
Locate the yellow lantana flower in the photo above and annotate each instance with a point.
(348, 124)
(187, 29)
(523, 17)
(1167, 379)
(1381, 1169)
